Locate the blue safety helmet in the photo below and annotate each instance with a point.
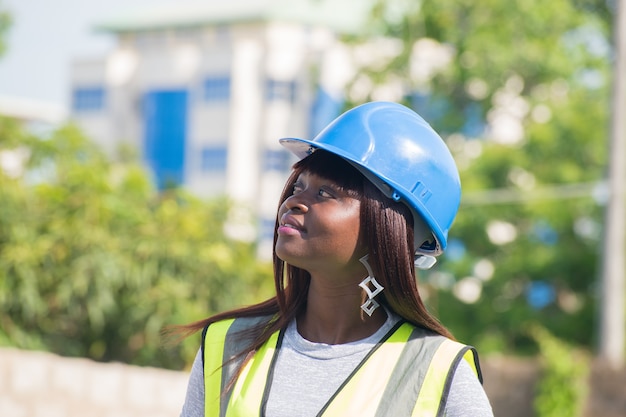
(405, 158)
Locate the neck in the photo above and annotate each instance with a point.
(334, 316)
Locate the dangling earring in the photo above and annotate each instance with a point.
(370, 305)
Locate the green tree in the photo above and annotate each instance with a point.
(94, 262)
(519, 90)
(563, 387)
(5, 24)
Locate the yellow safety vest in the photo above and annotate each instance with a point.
(408, 373)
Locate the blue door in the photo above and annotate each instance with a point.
(165, 133)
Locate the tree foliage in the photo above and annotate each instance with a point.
(94, 262)
(520, 92)
(563, 387)
(5, 24)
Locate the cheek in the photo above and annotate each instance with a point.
(281, 210)
(348, 227)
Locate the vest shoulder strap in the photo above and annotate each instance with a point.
(439, 375)
(222, 345)
(408, 374)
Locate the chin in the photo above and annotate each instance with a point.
(293, 260)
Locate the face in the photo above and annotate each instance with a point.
(319, 227)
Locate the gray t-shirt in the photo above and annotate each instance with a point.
(311, 372)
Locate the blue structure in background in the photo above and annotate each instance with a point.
(545, 233)
(429, 107)
(540, 294)
(432, 109)
(324, 110)
(456, 250)
(88, 99)
(165, 134)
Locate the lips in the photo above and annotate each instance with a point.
(289, 222)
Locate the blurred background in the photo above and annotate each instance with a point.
(140, 172)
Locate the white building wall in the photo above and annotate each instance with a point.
(247, 125)
(246, 113)
(246, 108)
(124, 107)
(208, 127)
(209, 121)
(97, 125)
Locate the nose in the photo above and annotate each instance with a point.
(296, 202)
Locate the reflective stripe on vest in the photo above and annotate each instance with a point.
(213, 349)
(407, 374)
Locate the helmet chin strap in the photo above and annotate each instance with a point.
(424, 261)
(422, 235)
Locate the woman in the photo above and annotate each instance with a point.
(347, 333)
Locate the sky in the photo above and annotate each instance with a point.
(46, 36)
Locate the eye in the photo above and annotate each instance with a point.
(324, 193)
(297, 188)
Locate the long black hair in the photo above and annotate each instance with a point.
(387, 227)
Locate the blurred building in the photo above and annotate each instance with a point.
(203, 90)
(36, 116)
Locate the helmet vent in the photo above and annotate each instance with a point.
(421, 191)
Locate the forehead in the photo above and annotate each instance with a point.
(308, 175)
(309, 178)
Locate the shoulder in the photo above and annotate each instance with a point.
(230, 337)
(237, 324)
(420, 335)
(437, 342)
(238, 329)
(442, 351)
(466, 395)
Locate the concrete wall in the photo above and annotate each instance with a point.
(37, 384)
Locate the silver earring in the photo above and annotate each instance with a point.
(370, 305)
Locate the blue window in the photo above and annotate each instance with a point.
(86, 99)
(216, 89)
(165, 135)
(213, 159)
(276, 90)
(276, 160)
